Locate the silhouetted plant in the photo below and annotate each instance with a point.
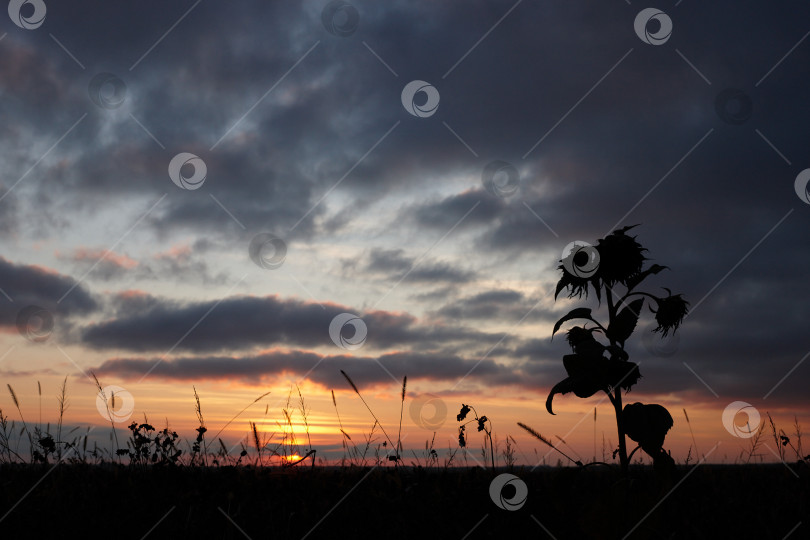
(199, 448)
(482, 426)
(613, 270)
(396, 458)
(146, 445)
(548, 443)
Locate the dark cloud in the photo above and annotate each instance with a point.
(506, 94)
(146, 323)
(494, 305)
(598, 143)
(322, 369)
(445, 213)
(26, 285)
(396, 265)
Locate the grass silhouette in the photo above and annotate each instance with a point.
(148, 445)
(260, 484)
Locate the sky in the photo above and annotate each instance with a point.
(193, 194)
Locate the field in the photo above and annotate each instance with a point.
(120, 501)
(156, 484)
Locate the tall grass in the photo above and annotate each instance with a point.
(547, 442)
(694, 442)
(292, 443)
(63, 405)
(377, 420)
(110, 407)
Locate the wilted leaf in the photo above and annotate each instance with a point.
(583, 385)
(563, 387)
(578, 313)
(638, 278)
(625, 322)
(647, 424)
(623, 374)
(580, 365)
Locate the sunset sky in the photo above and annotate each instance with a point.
(297, 112)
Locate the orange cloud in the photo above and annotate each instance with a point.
(175, 252)
(89, 254)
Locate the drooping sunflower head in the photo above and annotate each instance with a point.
(620, 256)
(670, 313)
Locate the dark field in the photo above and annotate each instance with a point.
(714, 501)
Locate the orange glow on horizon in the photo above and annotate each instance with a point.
(585, 439)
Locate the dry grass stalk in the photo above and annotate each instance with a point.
(237, 415)
(109, 414)
(63, 404)
(548, 443)
(354, 386)
(401, 410)
(694, 442)
(259, 446)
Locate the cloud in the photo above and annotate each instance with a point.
(268, 366)
(146, 323)
(444, 213)
(26, 285)
(605, 131)
(107, 265)
(499, 305)
(396, 265)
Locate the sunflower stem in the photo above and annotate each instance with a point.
(617, 392)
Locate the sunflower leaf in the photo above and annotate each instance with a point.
(578, 313)
(638, 278)
(647, 424)
(625, 322)
(563, 387)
